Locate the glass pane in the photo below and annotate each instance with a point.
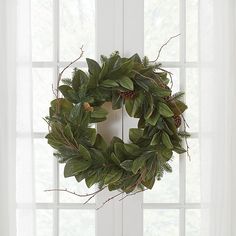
(72, 185)
(42, 95)
(161, 21)
(42, 30)
(193, 221)
(77, 28)
(166, 190)
(43, 170)
(193, 172)
(192, 30)
(44, 223)
(161, 222)
(77, 223)
(192, 99)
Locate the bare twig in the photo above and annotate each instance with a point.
(132, 194)
(109, 199)
(60, 77)
(74, 193)
(159, 52)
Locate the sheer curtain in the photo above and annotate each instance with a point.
(16, 160)
(218, 116)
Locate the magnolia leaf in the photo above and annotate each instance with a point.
(135, 134)
(165, 110)
(179, 150)
(155, 139)
(132, 149)
(138, 163)
(75, 166)
(177, 107)
(113, 176)
(129, 103)
(100, 143)
(149, 183)
(126, 82)
(127, 165)
(91, 180)
(93, 67)
(152, 120)
(115, 159)
(109, 83)
(166, 140)
(117, 100)
(167, 153)
(99, 112)
(68, 132)
(84, 152)
(137, 104)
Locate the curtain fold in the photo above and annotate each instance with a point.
(17, 209)
(218, 116)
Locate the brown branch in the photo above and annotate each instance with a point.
(109, 199)
(159, 52)
(74, 193)
(60, 77)
(132, 194)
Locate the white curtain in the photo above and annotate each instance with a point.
(218, 116)
(16, 157)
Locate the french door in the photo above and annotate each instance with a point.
(59, 28)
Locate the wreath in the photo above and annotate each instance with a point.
(144, 89)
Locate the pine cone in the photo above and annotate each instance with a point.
(128, 94)
(178, 121)
(87, 107)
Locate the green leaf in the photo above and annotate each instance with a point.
(179, 150)
(93, 66)
(127, 165)
(113, 176)
(115, 159)
(177, 107)
(165, 110)
(152, 120)
(155, 139)
(135, 134)
(99, 112)
(109, 83)
(100, 143)
(75, 166)
(167, 153)
(138, 164)
(117, 100)
(68, 132)
(137, 105)
(132, 149)
(91, 180)
(126, 82)
(79, 177)
(150, 105)
(84, 152)
(149, 183)
(129, 103)
(166, 140)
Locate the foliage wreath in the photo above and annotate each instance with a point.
(143, 89)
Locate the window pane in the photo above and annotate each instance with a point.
(77, 223)
(161, 222)
(192, 99)
(77, 28)
(43, 170)
(193, 220)
(72, 185)
(42, 95)
(193, 172)
(42, 30)
(44, 223)
(161, 21)
(166, 190)
(192, 30)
